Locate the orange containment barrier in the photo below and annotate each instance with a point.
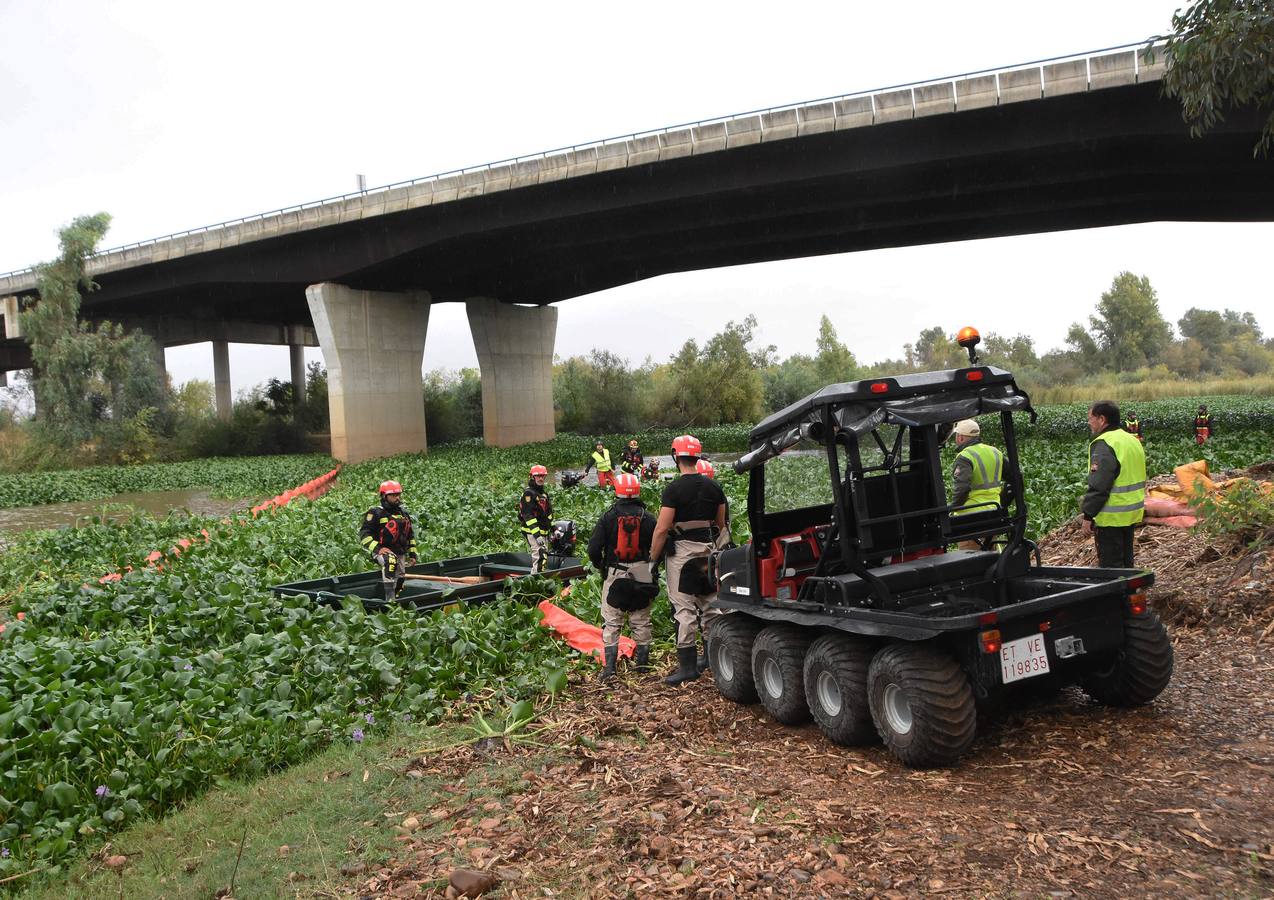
(585, 638)
(313, 489)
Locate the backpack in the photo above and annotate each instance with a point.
(628, 538)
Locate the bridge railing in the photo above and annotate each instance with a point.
(1034, 80)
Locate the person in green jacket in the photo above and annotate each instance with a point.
(1116, 498)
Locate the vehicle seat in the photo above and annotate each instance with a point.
(917, 574)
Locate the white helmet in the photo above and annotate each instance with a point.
(968, 428)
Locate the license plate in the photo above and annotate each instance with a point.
(1023, 658)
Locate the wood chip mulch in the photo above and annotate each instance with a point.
(645, 790)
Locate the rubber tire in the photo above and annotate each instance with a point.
(730, 650)
(1043, 689)
(845, 659)
(1142, 668)
(944, 718)
(785, 646)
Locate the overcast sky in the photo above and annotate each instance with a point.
(175, 115)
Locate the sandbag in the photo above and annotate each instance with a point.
(1163, 508)
(1171, 521)
(1195, 473)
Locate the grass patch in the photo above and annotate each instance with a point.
(334, 812)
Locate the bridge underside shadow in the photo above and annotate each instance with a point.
(1099, 158)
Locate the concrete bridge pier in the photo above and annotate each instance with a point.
(221, 379)
(515, 353)
(373, 343)
(296, 356)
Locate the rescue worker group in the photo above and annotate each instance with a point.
(628, 543)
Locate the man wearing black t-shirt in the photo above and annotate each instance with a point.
(691, 516)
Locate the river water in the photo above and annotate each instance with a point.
(157, 503)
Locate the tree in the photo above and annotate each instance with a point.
(91, 385)
(1129, 329)
(718, 383)
(1219, 57)
(1205, 326)
(935, 350)
(792, 379)
(833, 362)
(1015, 353)
(314, 414)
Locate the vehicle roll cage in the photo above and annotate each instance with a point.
(882, 511)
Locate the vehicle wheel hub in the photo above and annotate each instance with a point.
(897, 709)
(723, 665)
(772, 675)
(828, 692)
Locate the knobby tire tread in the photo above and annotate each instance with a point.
(788, 645)
(1144, 669)
(944, 715)
(849, 660)
(737, 635)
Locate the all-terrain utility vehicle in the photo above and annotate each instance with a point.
(851, 605)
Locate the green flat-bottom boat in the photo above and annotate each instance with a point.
(485, 576)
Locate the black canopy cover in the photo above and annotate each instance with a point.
(927, 398)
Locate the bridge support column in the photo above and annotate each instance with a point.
(296, 355)
(373, 343)
(221, 378)
(515, 354)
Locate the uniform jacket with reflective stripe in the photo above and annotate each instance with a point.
(601, 460)
(535, 510)
(391, 529)
(977, 477)
(1116, 493)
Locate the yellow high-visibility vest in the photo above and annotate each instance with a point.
(986, 481)
(1126, 504)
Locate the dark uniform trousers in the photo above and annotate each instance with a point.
(1114, 546)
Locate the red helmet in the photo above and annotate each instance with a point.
(686, 445)
(390, 487)
(703, 467)
(538, 470)
(627, 485)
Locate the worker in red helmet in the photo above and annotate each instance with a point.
(387, 534)
(620, 549)
(691, 518)
(633, 461)
(535, 513)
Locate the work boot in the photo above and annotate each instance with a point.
(608, 670)
(686, 669)
(643, 658)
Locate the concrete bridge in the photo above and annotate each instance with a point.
(1070, 143)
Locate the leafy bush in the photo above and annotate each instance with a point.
(251, 431)
(1244, 512)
